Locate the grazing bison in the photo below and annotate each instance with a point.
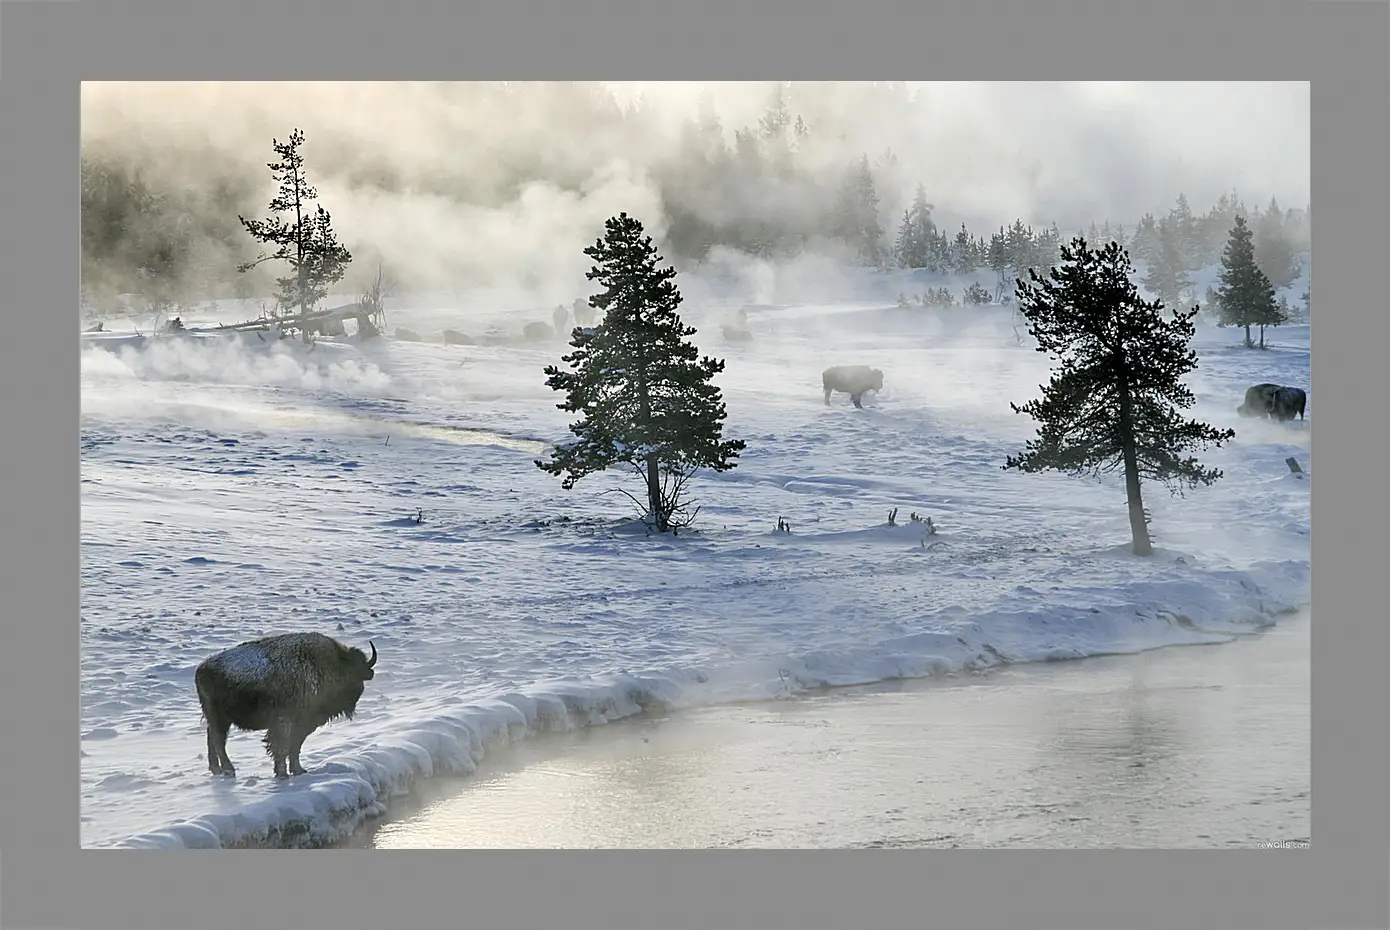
(854, 380)
(288, 685)
(537, 332)
(1276, 401)
(407, 335)
(584, 313)
(452, 337)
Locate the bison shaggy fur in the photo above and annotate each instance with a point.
(288, 685)
(855, 380)
(1276, 401)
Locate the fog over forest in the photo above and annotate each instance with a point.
(503, 184)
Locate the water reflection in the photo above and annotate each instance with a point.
(1203, 746)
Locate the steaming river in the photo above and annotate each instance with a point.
(1202, 746)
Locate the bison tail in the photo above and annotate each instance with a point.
(203, 687)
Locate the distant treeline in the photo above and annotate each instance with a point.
(775, 190)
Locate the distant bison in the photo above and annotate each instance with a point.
(855, 380)
(1273, 400)
(737, 329)
(559, 315)
(452, 337)
(584, 313)
(407, 335)
(288, 685)
(537, 332)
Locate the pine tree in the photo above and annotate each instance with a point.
(914, 245)
(904, 251)
(1274, 250)
(1021, 247)
(1184, 229)
(998, 259)
(1050, 246)
(1145, 242)
(776, 118)
(310, 247)
(1166, 276)
(1245, 297)
(647, 399)
(856, 219)
(1116, 392)
(774, 128)
(747, 155)
(963, 255)
(1215, 226)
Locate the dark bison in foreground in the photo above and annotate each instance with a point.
(1273, 400)
(288, 685)
(854, 380)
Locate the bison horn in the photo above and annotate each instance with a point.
(372, 661)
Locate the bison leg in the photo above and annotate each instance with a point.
(828, 397)
(855, 399)
(278, 740)
(218, 763)
(296, 744)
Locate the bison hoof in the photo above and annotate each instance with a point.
(298, 770)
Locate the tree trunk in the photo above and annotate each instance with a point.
(299, 254)
(1248, 335)
(654, 478)
(654, 493)
(1262, 335)
(1139, 530)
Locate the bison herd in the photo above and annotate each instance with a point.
(292, 684)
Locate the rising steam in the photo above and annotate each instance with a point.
(454, 184)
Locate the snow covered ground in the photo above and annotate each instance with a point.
(231, 491)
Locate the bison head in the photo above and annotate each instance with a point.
(877, 379)
(361, 664)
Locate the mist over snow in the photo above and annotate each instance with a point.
(503, 184)
(239, 485)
